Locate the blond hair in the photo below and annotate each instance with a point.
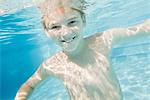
(77, 4)
(48, 6)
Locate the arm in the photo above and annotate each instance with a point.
(27, 88)
(121, 34)
(116, 35)
(134, 31)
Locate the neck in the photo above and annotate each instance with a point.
(83, 55)
(81, 48)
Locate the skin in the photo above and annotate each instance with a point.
(66, 31)
(83, 64)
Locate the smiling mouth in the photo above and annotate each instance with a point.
(69, 40)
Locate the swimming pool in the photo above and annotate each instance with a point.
(24, 46)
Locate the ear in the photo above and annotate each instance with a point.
(44, 26)
(83, 18)
(46, 33)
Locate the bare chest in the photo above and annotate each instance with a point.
(73, 72)
(90, 82)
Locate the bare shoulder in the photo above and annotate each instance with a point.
(94, 38)
(55, 64)
(99, 43)
(56, 59)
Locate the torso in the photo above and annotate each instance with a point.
(96, 81)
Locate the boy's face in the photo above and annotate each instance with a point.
(65, 26)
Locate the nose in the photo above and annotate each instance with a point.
(66, 33)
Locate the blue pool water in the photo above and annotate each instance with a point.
(23, 46)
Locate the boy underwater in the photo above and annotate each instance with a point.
(83, 64)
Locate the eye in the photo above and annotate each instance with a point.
(73, 22)
(55, 27)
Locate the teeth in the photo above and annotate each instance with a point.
(69, 40)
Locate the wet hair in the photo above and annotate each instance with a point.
(81, 13)
(77, 5)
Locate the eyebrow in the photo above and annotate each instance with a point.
(53, 23)
(72, 18)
